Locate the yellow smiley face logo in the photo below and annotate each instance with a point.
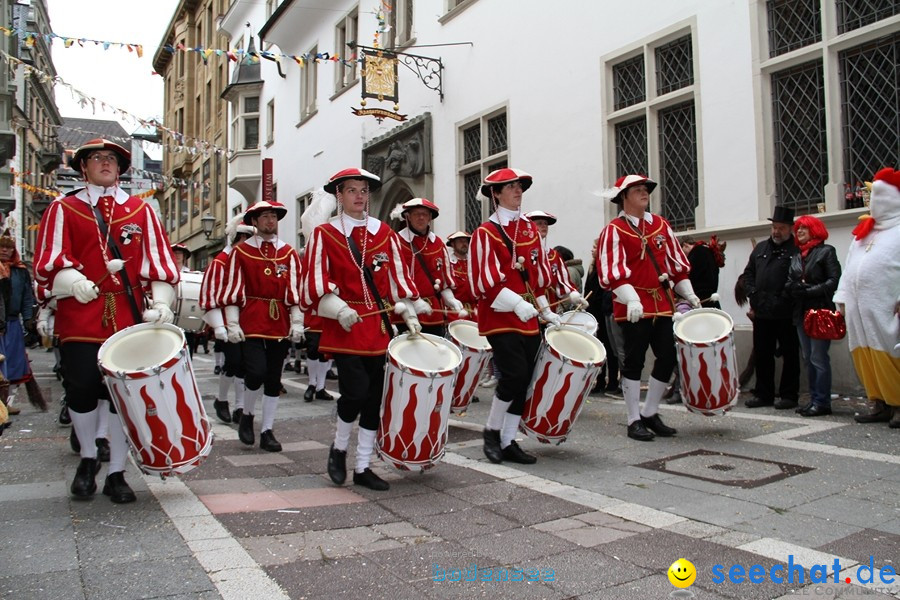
(682, 573)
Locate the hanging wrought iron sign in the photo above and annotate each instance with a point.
(379, 81)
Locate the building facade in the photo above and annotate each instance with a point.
(193, 108)
(733, 107)
(7, 102)
(36, 124)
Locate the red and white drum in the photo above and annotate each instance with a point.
(187, 311)
(579, 319)
(707, 363)
(415, 408)
(476, 352)
(567, 366)
(151, 383)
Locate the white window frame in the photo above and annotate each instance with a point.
(347, 30)
(303, 202)
(484, 163)
(649, 108)
(270, 122)
(309, 83)
(238, 123)
(401, 21)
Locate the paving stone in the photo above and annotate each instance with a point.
(146, 579)
(597, 517)
(32, 490)
(303, 446)
(120, 546)
(305, 519)
(801, 529)
(424, 504)
(255, 460)
(861, 545)
(653, 586)
(445, 476)
(41, 546)
(350, 577)
(721, 510)
(489, 493)
(582, 571)
(517, 545)
(592, 535)
(36, 508)
(468, 522)
(559, 525)
(56, 585)
(536, 509)
(852, 511)
(232, 485)
(400, 529)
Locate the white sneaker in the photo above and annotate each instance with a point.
(489, 382)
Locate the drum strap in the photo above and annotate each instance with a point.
(370, 281)
(425, 268)
(104, 231)
(664, 282)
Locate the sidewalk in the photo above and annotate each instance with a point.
(600, 516)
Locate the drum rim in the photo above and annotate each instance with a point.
(577, 331)
(420, 372)
(459, 342)
(696, 312)
(111, 340)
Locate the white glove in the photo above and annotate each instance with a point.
(296, 333)
(72, 282)
(421, 306)
(452, 303)
(627, 295)
(406, 309)
(332, 307)
(578, 300)
(213, 317)
(684, 289)
(509, 301)
(43, 318)
(233, 320)
(162, 295)
(546, 314)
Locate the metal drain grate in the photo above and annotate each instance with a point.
(726, 469)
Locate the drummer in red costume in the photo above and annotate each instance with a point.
(562, 290)
(262, 312)
(459, 263)
(343, 258)
(98, 294)
(640, 260)
(510, 276)
(211, 288)
(428, 263)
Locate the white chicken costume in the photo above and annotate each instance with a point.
(870, 291)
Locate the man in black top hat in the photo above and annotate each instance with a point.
(764, 279)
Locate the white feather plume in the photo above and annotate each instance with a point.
(397, 212)
(608, 193)
(318, 212)
(231, 227)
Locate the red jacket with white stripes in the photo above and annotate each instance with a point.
(214, 281)
(491, 269)
(329, 267)
(69, 237)
(263, 278)
(433, 251)
(562, 285)
(622, 258)
(463, 291)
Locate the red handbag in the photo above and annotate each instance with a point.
(824, 324)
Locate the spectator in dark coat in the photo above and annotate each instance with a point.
(765, 278)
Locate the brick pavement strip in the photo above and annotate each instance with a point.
(606, 528)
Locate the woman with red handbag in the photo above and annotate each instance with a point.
(812, 279)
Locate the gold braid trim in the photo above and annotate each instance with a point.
(274, 309)
(109, 310)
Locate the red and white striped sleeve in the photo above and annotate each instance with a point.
(212, 285)
(545, 279)
(233, 289)
(315, 280)
(611, 263)
(53, 251)
(677, 264)
(292, 293)
(158, 261)
(402, 285)
(447, 276)
(484, 266)
(564, 285)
